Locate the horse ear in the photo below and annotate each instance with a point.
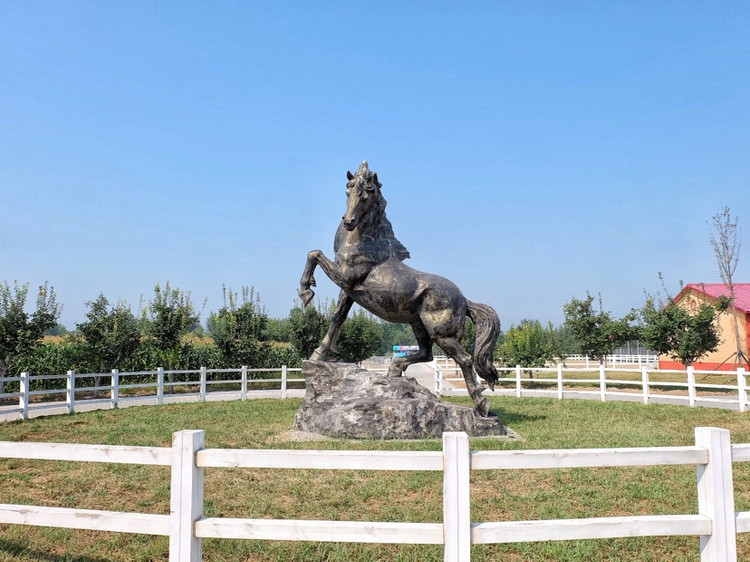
(349, 176)
(375, 178)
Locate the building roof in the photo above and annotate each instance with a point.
(716, 290)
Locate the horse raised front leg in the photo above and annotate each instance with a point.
(330, 268)
(339, 316)
(307, 280)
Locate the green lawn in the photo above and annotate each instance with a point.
(364, 495)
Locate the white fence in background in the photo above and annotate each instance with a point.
(230, 384)
(640, 359)
(686, 388)
(716, 522)
(648, 360)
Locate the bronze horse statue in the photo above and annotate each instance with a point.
(369, 269)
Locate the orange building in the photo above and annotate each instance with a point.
(725, 357)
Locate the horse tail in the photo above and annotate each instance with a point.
(488, 329)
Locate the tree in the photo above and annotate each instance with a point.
(359, 338)
(395, 334)
(469, 337)
(169, 315)
(278, 330)
(308, 326)
(683, 335)
(56, 330)
(725, 241)
(597, 333)
(111, 336)
(529, 345)
(167, 318)
(565, 341)
(21, 332)
(238, 331)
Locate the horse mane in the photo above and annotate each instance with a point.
(385, 228)
(397, 248)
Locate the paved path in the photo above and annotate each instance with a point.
(424, 374)
(10, 413)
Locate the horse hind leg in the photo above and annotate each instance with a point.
(453, 349)
(400, 364)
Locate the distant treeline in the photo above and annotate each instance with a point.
(168, 332)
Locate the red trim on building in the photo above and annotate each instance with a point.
(667, 365)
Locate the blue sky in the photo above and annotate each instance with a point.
(529, 151)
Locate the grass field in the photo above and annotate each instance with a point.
(364, 495)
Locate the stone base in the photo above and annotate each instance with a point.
(343, 400)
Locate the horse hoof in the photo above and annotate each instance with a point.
(483, 407)
(394, 373)
(318, 355)
(306, 296)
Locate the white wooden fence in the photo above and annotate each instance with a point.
(693, 389)
(716, 522)
(639, 359)
(239, 380)
(648, 386)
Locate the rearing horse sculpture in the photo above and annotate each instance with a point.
(369, 269)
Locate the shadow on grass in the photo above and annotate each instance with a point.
(509, 418)
(18, 549)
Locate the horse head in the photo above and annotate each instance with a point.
(363, 197)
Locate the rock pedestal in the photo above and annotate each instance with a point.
(343, 400)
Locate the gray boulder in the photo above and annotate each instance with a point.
(346, 401)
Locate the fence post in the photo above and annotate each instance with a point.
(518, 381)
(438, 380)
(243, 384)
(644, 382)
(23, 400)
(115, 388)
(742, 389)
(203, 384)
(186, 496)
(602, 383)
(283, 381)
(456, 497)
(160, 386)
(716, 495)
(70, 395)
(691, 385)
(559, 381)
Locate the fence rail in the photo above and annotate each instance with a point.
(716, 522)
(162, 384)
(689, 387)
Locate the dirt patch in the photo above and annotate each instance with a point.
(293, 435)
(301, 436)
